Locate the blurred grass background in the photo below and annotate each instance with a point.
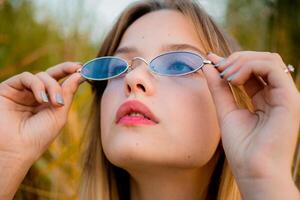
(32, 41)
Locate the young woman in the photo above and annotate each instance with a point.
(171, 119)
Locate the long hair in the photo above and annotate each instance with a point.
(100, 178)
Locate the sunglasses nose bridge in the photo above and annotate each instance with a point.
(134, 59)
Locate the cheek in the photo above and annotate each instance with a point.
(192, 120)
(110, 101)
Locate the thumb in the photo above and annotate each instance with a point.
(70, 86)
(219, 88)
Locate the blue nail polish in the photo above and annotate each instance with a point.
(224, 72)
(44, 97)
(231, 77)
(59, 99)
(220, 63)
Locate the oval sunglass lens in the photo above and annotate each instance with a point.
(103, 68)
(176, 63)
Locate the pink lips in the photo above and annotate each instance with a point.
(128, 107)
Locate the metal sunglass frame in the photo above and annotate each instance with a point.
(129, 66)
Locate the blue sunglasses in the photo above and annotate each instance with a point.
(175, 63)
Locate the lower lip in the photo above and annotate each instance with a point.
(135, 120)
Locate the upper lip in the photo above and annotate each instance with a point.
(135, 106)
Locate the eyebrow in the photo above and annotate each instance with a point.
(168, 47)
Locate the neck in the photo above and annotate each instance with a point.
(170, 183)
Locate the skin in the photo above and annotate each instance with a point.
(259, 146)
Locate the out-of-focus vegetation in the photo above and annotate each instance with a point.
(26, 45)
(267, 25)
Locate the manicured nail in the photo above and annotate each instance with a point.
(44, 97)
(224, 72)
(220, 63)
(59, 99)
(231, 77)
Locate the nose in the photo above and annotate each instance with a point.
(139, 79)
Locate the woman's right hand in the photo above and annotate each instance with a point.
(29, 119)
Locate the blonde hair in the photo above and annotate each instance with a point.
(103, 180)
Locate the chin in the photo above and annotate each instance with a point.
(130, 156)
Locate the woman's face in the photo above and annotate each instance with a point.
(187, 133)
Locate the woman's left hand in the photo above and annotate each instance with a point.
(258, 145)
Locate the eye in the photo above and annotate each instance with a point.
(117, 69)
(179, 67)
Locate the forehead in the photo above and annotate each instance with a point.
(159, 31)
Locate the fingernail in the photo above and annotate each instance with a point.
(224, 72)
(231, 77)
(44, 97)
(220, 63)
(209, 53)
(59, 99)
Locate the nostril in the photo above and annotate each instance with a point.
(128, 87)
(141, 86)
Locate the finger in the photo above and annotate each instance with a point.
(220, 89)
(22, 98)
(254, 84)
(223, 63)
(28, 81)
(241, 56)
(53, 88)
(70, 86)
(276, 57)
(64, 69)
(280, 92)
(230, 70)
(275, 76)
(248, 56)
